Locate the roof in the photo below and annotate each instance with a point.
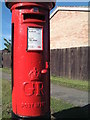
(74, 8)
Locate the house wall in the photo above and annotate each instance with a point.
(69, 29)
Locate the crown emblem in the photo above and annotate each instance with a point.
(34, 74)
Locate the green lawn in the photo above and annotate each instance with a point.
(6, 99)
(56, 105)
(59, 105)
(0, 98)
(78, 84)
(6, 70)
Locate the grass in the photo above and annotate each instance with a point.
(56, 105)
(6, 99)
(59, 105)
(78, 84)
(6, 70)
(0, 99)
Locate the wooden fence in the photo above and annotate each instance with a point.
(0, 59)
(5, 59)
(71, 63)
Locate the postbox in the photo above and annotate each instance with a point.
(30, 59)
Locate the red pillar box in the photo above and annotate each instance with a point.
(30, 59)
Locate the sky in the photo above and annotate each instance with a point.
(5, 17)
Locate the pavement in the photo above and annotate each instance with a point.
(4, 75)
(70, 95)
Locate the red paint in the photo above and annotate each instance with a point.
(31, 74)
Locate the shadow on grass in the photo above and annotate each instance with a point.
(72, 113)
(75, 112)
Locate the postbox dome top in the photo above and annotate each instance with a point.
(10, 3)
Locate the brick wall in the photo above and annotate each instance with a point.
(69, 29)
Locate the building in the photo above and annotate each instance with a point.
(69, 27)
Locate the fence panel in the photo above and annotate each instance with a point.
(6, 59)
(70, 62)
(0, 59)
